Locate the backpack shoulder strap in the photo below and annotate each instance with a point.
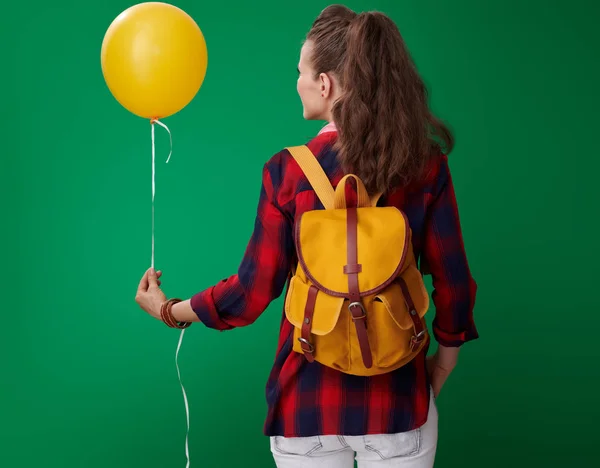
(317, 177)
(375, 198)
(314, 173)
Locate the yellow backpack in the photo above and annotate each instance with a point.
(356, 298)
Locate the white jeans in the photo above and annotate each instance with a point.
(413, 449)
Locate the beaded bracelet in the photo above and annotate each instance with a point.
(166, 315)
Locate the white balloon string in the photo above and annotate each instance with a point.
(152, 122)
(170, 136)
(185, 400)
(153, 191)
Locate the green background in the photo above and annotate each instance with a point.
(89, 380)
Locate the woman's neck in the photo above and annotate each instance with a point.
(329, 127)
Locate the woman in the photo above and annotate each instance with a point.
(356, 74)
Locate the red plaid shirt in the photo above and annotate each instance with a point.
(310, 399)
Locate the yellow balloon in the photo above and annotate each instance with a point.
(154, 59)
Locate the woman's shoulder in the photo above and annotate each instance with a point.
(437, 167)
(434, 175)
(283, 164)
(317, 145)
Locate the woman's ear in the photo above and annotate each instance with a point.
(326, 85)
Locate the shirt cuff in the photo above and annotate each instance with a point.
(454, 339)
(203, 305)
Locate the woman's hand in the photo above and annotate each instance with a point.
(440, 365)
(149, 296)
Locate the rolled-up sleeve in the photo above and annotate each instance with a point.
(261, 277)
(454, 289)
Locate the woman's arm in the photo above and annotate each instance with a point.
(239, 300)
(454, 288)
(183, 312)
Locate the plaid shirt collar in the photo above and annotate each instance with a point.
(330, 127)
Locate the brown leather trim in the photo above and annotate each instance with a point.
(356, 307)
(351, 269)
(419, 335)
(352, 253)
(381, 287)
(360, 322)
(309, 311)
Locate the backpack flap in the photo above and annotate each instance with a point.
(295, 307)
(383, 239)
(393, 298)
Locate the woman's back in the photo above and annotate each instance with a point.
(311, 399)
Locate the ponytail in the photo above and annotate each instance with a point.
(386, 132)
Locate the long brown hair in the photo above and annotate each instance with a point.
(386, 131)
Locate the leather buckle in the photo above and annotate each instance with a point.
(417, 339)
(311, 348)
(361, 307)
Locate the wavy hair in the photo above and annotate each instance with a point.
(386, 132)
